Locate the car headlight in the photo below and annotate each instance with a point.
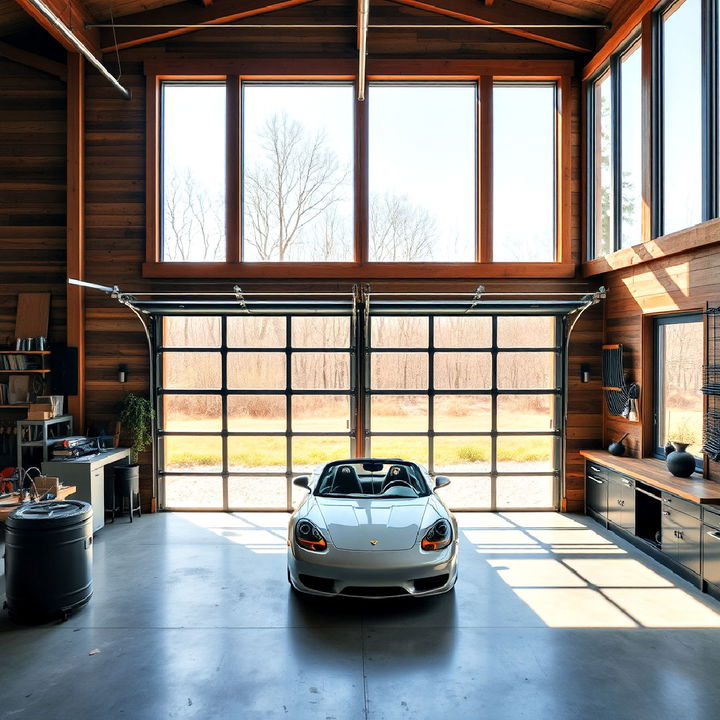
(439, 536)
(309, 537)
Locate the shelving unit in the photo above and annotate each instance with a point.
(26, 427)
(43, 371)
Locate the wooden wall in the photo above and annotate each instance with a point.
(682, 282)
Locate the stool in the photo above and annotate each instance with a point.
(127, 488)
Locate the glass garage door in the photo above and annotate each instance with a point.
(476, 398)
(245, 402)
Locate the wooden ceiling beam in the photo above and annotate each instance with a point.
(74, 15)
(221, 11)
(505, 11)
(16, 54)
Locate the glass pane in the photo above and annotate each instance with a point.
(529, 332)
(398, 371)
(602, 171)
(191, 371)
(461, 454)
(414, 449)
(526, 370)
(463, 332)
(244, 331)
(401, 332)
(422, 160)
(631, 145)
(329, 413)
(524, 173)
(532, 453)
(198, 332)
(330, 332)
(467, 493)
(320, 371)
(681, 402)
(256, 371)
(256, 413)
(307, 452)
(298, 172)
(520, 492)
(462, 413)
(192, 412)
(253, 453)
(463, 371)
(193, 453)
(525, 412)
(390, 412)
(258, 492)
(193, 172)
(682, 116)
(193, 492)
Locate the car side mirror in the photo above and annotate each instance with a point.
(302, 481)
(441, 481)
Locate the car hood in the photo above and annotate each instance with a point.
(353, 523)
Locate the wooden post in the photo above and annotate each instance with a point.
(76, 227)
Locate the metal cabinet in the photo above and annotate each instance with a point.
(621, 500)
(711, 546)
(596, 493)
(681, 537)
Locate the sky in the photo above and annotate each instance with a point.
(422, 147)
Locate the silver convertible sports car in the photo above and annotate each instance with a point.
(372, 528)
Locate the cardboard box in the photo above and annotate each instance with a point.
(40, 412)
(56, 401)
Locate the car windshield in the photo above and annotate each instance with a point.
(372, 478)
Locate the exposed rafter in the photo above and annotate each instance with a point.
(505, 11)
(74, 15)
(362, 32)
(221, 11)
(34, 61)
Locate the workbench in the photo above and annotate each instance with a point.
(10, 503)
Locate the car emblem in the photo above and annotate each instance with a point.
(373, 542)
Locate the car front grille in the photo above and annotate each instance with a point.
(370, 591)
(317, 583)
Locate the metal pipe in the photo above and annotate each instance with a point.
(81, 47)
(363, 18)
(333, 26)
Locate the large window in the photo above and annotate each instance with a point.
(298, 178)
(616, 159)
(193, 172)
(297, 172)
(524, 172)
(678, 373)
(682, 186)
(422, 166)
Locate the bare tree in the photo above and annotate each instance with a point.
(297, 183)
(400, 230)
(194, 222)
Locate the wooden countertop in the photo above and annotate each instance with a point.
(653, 472)
(8, 504)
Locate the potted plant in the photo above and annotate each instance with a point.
(136, 416)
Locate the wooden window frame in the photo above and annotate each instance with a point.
(484, 73)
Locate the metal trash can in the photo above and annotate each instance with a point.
(48, 559)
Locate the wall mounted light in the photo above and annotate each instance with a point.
(122, 373)
(585, 373)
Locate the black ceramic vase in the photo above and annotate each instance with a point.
(679, 462)
(617, 447)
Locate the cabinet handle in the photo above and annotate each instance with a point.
(714, 534)
(666, 500)
(599, 482)
(666, 512)
(596, 469)
(628, 483)
(675, 533)
(680, 534)
(621, 503)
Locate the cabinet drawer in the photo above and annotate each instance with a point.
(712, 517)
(592, 468)
(711, 554)
(685, 506)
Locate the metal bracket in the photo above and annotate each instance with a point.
(240, 298)
(477, 297)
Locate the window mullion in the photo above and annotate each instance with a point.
(616, 159)
(233, 185)
(710, 109)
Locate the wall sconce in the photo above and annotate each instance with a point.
(122, 373)
(585, 373)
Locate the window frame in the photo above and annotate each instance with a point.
(658, 449)
(484, 73)
(613, 67)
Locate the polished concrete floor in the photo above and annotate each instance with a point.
(552, 618)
